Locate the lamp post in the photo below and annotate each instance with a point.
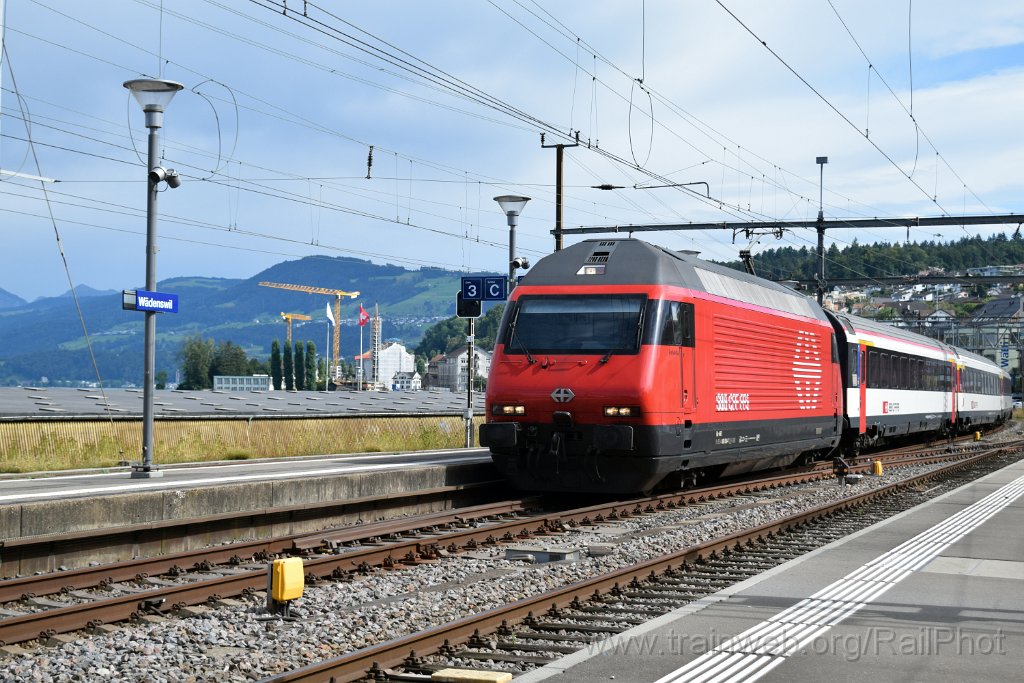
(821, 161)
(513, 205)
(153, 96)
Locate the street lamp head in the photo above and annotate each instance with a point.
(511, 204)
(153, 94)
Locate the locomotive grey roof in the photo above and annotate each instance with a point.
(635, 262)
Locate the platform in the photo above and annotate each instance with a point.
(935, 593)
(349, 486)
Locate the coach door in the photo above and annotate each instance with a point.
(952, 389)
(862, 385)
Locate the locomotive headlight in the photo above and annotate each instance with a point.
(621, 411)
(501, 409)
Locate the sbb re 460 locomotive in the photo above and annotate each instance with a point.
(621, 366)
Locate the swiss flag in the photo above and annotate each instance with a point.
(364, 317)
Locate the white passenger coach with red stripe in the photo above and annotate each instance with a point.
(621, 366)
(899, 383)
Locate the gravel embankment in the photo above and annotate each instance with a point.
(239, 644)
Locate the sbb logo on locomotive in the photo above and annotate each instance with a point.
(729, 402)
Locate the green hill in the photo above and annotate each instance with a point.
(44, 338)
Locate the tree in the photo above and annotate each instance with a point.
(300, 367)
(321, 382)
(442, 337)
(196, 355)
(258, 367)
(228, 359)
(161, 379)
(487, 327)
(289, 368)
(276, 372)
(311, 376)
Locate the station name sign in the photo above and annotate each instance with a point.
(141, 300)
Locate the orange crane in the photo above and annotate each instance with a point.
(288, 317)
(337, 294)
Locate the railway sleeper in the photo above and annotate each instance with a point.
(46, 603)
(534, 635)
(495, 656)
(538, 647)
(731, 576)
(587, 628)
(623, 620)
(613, 609)
(86, 596)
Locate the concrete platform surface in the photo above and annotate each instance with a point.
(59, 486)
(933, 594)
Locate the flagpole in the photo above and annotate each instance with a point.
(327, 365)
(360, 355)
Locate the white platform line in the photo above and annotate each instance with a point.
(751, 654)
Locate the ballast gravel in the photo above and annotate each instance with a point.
(242, 644)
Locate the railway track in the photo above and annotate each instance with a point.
(546, 626)
(40, 607)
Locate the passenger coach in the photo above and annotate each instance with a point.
(901, 384)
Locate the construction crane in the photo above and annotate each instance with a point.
(288, 317)
(332, 362)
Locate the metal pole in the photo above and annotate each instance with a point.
(470, 356)
(512, 219)
(821, 258)
(821, 161)
(154, 120)
(559, 153)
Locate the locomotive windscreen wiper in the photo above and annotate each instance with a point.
(514, 336)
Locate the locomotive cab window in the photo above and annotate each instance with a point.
(669, 323)
(568, 324)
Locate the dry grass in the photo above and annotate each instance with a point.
(49, 446)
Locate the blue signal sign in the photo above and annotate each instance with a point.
(494, 288)
(484, 288)
(473, 288)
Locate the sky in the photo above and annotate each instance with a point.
(699, 110)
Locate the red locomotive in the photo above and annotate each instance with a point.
(621, 366)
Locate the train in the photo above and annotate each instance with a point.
(623, 367)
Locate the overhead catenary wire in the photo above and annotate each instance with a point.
(56, 231)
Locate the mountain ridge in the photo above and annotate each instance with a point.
(44, 337)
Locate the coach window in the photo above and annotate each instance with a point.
(872, 368)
